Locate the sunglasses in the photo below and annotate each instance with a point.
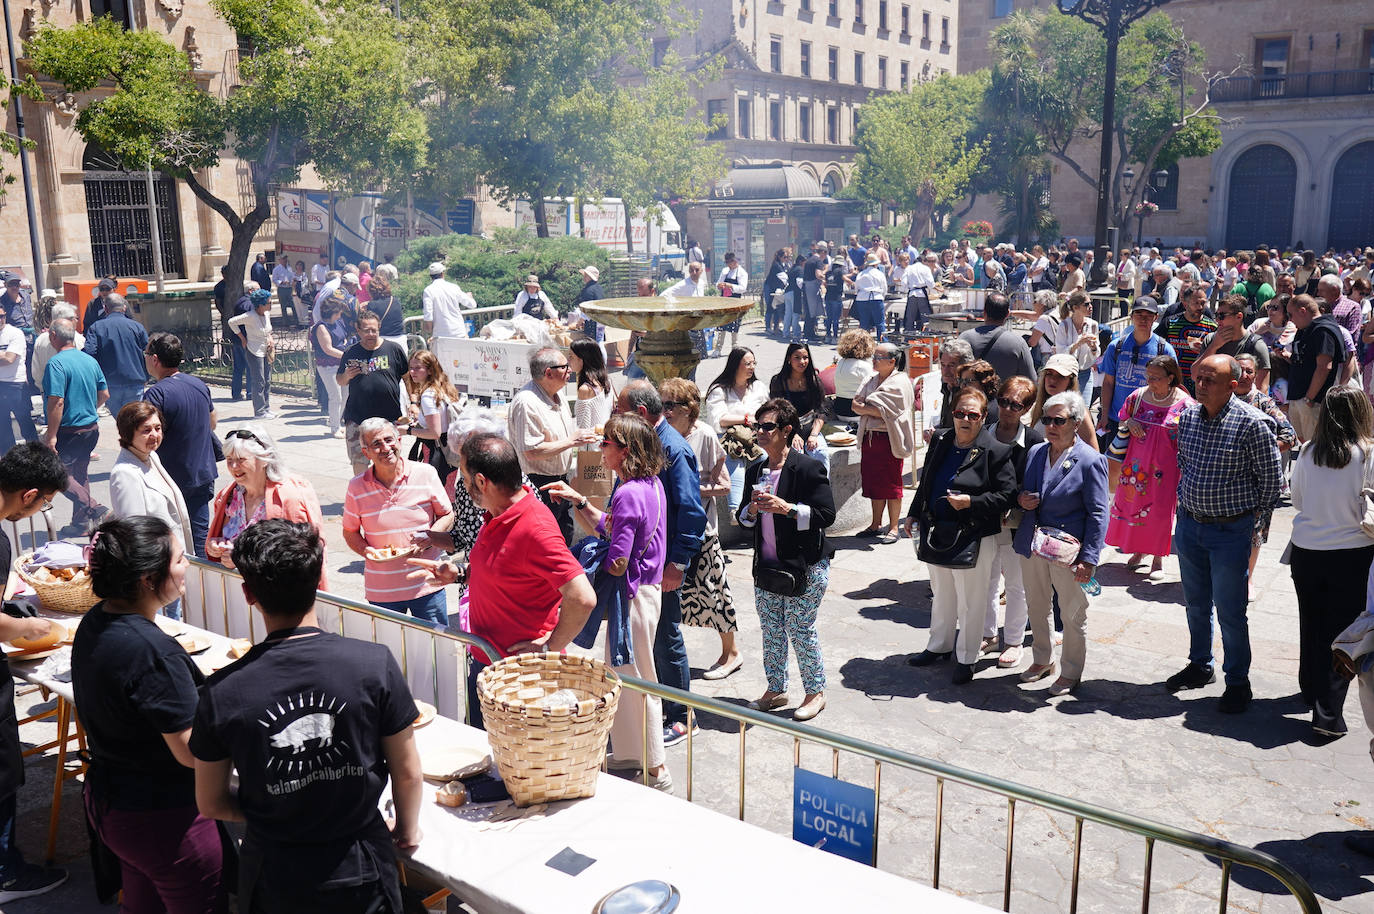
(673, 404)
(246, 435)
(884, 356)
(767, 426)
(1008, 403)
(966, 414)
(1054, 420)
(563, 367)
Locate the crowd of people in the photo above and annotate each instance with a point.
(1240, 380)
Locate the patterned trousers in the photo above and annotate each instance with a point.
(793, 619)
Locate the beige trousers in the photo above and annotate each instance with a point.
(1042, 580)
(627, 730)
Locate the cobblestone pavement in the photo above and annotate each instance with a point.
(1123, 742)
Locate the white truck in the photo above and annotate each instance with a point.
(655, 233)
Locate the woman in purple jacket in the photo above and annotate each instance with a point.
(636, 525)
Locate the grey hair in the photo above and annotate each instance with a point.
(116, 302)
(642, 393)
(542, 360)
(62, 311)
(1329, 281)
(374, 424)
(388, 270)
(249, 286)
(262, 446)
(1047, 298)
(473, 421)
(1071, 401)
(960, 349)
(64, 328)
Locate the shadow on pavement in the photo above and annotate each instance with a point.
(1263, 726)
(1330, 868)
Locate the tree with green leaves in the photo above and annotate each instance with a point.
(1048, 69)
(915, 153)
(323, 84)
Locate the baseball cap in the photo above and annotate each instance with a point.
(436, 269)
(1063, 364)
(1145, 303)
(350, 278)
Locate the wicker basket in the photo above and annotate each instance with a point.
(61, 596)
(542, 754)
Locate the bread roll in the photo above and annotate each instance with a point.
(451, 794)
(42, 643)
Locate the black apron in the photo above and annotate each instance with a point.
(11, 752)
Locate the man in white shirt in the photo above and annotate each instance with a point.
(283, 277)
(920, 282)
(254, 328)
(444, 303)
(14, 397)
(541, 427)
(319, 273)
(870, 290)
(731, 284)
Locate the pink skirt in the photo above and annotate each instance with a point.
(879, 472)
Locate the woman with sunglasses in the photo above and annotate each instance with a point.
(137, 688)
(1014, 399)
(983, 376)
(635, 522)
(261, 488)
(886, 437)
(966, 487)
(1146, 497)
(1064, 491)
(789, 505)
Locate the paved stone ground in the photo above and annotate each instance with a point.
(1122, 741)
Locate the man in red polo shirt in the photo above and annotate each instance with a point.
(526, 592)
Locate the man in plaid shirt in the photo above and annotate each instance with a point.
(1229, 458)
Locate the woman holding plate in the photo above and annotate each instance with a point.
(887, 437)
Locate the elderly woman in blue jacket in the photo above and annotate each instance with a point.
(1065, 492)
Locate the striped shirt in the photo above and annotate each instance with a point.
(1229, 463)
(388, 517)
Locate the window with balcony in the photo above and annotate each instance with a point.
(1271, 63)
(906, 21)
(882, 15)
(804, 122)
(882, 72)
(775, 54)
(925, 27)
(745, 118)
(904, 79)
(805, 58)
(832, 126)
(834, 65)
(858, 68)
(834, 11)
(858, 12)
(718, 116)
(944, 33)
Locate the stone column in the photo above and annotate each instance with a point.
(50, 125)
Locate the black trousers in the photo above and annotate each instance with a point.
(917, 311)
(1330, 584)
(562, 511)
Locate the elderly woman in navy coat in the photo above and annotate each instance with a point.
(1065, 488)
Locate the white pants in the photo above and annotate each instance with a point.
(1008, 564)
(961, 599)
(333, 392)
(627, 730)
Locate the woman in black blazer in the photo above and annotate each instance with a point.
(1014, 399)
(787, 501)
(967, 485)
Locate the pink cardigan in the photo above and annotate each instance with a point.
(292, 499)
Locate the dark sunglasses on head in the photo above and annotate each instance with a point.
(767, 426)
(1055, 420)
(246, 435)
(966, 414)
(1008, 403)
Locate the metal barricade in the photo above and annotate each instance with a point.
(434, 663)
(477, 318)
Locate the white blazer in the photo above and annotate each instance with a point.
(145, 488)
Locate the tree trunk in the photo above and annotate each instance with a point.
(241, 251)
(541, 225)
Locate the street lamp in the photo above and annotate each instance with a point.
(1112, 17)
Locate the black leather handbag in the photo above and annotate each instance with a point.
(946, 543)
(781, 581)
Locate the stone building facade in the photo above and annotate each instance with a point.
(795, 75)
(93, 217)
(1296, 162)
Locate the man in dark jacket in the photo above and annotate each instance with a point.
(260, 274)
(117, 343)
(95, 308)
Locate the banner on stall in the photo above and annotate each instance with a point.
(834, 815)
(485, 368)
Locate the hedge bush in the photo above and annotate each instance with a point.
(492, 270)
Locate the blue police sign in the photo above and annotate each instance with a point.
(833, 815)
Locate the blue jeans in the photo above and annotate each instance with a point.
(1214, 563)
(736, 470)
(15, 406)
(834, 307)
(429, 608)
(791, 321)
(198, 509)
(670, 656)
(121, 394)
(870, 315)
(240, 376)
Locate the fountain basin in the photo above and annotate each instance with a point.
(654, 313)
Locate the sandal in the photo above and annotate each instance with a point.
(887, 539)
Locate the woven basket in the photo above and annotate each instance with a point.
(542, 754)
(73, 597)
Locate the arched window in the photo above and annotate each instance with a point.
(117, 211)
(832, 184)
(1352, 199)
(1259, 207)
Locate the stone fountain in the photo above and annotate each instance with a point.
(665, 350)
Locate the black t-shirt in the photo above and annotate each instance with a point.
(11, 753)
(814, 266)
(834, 281)
(133, 683)
(303, 720)
(377, 391)
(1321, 337)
